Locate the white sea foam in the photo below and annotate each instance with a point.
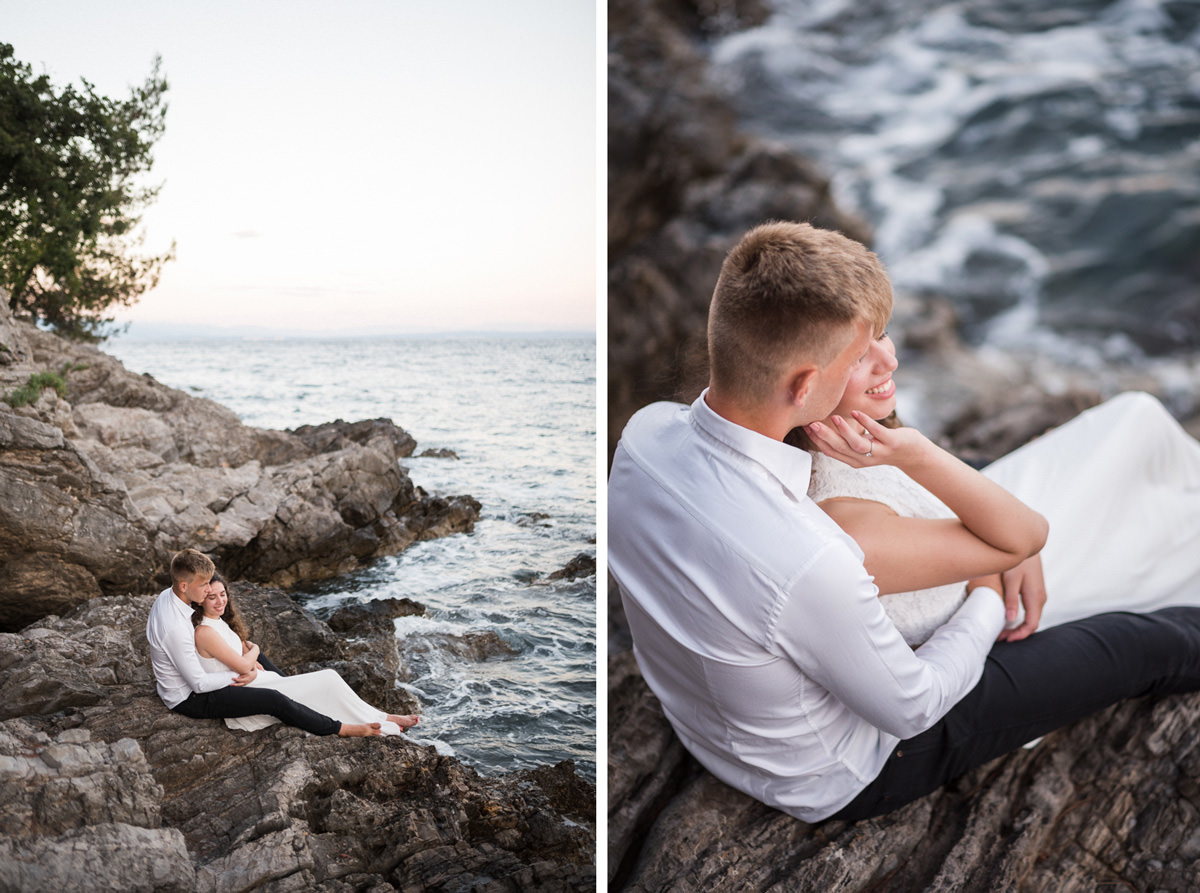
(437, 744)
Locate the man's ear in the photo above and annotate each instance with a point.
(800, 384)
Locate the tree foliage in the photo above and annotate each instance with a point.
(73, 166)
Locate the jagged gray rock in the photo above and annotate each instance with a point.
(374, 617)
(102, 787)
(65, 529)
(369, 432)
(582, 565)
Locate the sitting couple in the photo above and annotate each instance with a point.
(205, 667)
(836, 630)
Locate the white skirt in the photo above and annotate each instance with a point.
(1120, 486)
(323, 691)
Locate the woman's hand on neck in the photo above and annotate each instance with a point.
(855, 426)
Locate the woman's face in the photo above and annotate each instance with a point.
(871, 389)
(215, 601)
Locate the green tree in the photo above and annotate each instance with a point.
(73, 166)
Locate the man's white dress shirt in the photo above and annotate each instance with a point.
(173, 657)
(755, 622)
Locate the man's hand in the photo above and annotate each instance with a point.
(1025, 585)
(245, 678)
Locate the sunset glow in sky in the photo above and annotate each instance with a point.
(373, 165)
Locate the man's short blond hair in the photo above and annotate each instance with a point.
(189, 564)
(785, 291)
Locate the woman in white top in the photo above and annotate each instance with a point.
(1119, 487)
(221, 642)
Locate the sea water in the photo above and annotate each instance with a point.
(1036, 164)
(520, 414)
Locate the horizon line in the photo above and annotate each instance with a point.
(143, 331)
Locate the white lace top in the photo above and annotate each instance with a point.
(916, 614)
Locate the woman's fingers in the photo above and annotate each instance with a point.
(860, 443)
(876, 430)
(838, 440)
(819, 434)
(829, 439)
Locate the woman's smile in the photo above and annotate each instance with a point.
(214, 604)
(883, 391)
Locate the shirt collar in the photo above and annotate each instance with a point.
(179, 605)
(790, 465)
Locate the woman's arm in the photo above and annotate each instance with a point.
(994, 531)
(247, 647)
(252, 651)
(210, 644)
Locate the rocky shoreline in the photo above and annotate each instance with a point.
(1113, 800)
(104, 474)
(104, 788)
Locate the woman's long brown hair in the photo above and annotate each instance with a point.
(231, 615)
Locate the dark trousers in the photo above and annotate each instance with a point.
(1035, 686)
(238, 700)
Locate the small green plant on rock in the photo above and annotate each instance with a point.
(30, 391)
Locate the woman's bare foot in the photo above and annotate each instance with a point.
(359, 730)
(404, 721)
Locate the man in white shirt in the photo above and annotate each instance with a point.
(187, 688)
(753, 618)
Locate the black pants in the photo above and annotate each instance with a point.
(238, 700)
(1035, 686)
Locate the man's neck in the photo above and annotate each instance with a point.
(764, 420)
(183, 598)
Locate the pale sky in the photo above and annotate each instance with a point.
(366, 164)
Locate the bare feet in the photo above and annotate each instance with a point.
(359, 730)
(404, 721)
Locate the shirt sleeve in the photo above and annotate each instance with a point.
(178, 641)
(832, 625)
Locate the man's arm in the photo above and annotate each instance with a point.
(179, 643)
(835, 629)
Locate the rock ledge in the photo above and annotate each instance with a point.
(98, 780)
